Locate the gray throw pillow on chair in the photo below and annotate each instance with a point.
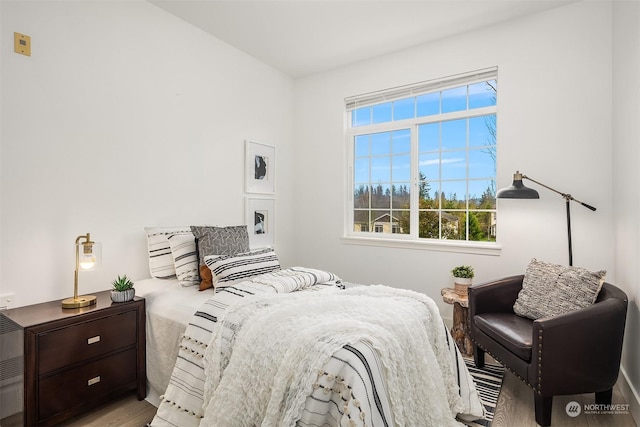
(552, 289)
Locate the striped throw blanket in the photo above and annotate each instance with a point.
(301, 351)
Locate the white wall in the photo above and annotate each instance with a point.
(626, 177)
(124, 117)
(554, 124)
(2, 38)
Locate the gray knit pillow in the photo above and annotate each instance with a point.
(221, 240)
(551, 289)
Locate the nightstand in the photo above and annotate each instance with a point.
(75, 359)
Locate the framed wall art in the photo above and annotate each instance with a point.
(260, 213)
(260, 168)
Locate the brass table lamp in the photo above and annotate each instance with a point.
(87, 258)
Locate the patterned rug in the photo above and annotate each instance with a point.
(488, 383)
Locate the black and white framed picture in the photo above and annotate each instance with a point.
(260, 164)
(261, 221)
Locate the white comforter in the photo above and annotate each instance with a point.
(370, 355)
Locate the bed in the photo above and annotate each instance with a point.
(297, 346)
(169, 309)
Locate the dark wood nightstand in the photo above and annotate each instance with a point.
(75, 359)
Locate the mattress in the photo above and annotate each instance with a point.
(169, 308)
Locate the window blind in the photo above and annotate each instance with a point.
(415, 89)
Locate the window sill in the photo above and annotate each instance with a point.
(476, 248)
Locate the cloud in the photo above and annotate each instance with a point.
(442, 161)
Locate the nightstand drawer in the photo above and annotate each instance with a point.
(86, 383)
(64, 347)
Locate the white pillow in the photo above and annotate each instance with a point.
(161, 263)
(229, 269)
(185, 258)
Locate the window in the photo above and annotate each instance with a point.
(423, 160)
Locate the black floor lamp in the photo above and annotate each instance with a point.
(517, 190)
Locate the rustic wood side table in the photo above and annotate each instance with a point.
(461, 324)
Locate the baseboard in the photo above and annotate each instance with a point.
(630, 395)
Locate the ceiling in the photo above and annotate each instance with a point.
(303, 37)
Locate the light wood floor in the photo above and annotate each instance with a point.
(514, 409)
(126, 411)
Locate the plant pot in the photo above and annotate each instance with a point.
(461, 285)
(123, 296)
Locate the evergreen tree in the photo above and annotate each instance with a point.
(475, 231)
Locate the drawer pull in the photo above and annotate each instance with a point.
(93, 340)
(93, 381)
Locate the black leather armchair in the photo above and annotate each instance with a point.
(573, 353)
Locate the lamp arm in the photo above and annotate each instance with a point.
(75, 273)
(87, 237)
(565, 195)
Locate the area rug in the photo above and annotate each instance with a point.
(488, 382)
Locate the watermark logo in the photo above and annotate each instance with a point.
(573, 409)
(606, 409)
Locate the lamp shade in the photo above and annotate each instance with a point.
(517, 190)
(89, 255)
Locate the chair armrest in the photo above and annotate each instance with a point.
(494, 297)
(580, 350)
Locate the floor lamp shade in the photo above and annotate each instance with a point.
(517, 190)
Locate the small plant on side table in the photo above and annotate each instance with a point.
(463, 277)
(123, 289)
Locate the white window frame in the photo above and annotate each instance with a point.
(410, 241)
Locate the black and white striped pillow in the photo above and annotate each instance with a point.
(229, 269)
(185, 258)
(161, 263)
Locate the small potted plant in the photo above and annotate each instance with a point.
(462, 278)
(122, 289)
